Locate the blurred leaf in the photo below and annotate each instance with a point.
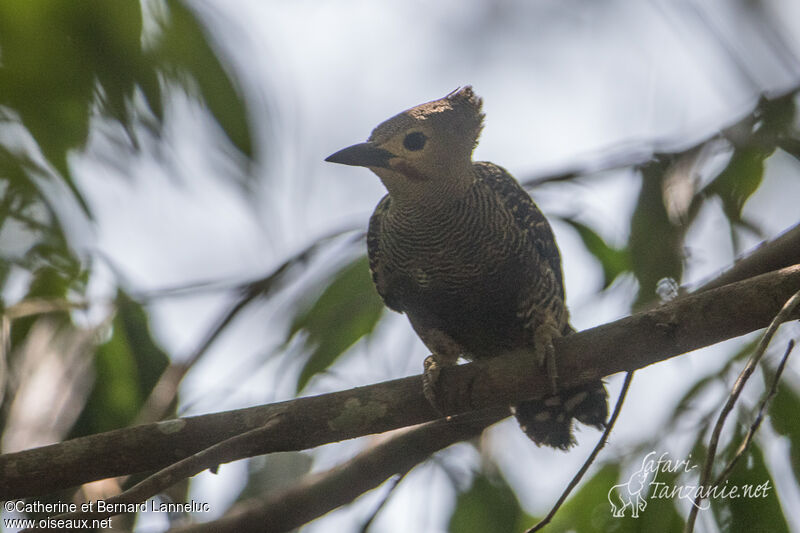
(614, 261)
(708, 383)
(347, 310)
(791, 147)
(185, 46)
(28, 222)
(661, 513)
(273, 472)
(656, 244)
(488, 505)
(48, 283)
(688, 402)
(739, 180)
(588, 509)
(14, 175)
(65, 62)
(111, 38)
(278, 278)
(737, 425)
(44, 78)
(783, 412)
(748, 512)
(777, 119)
(127, 368)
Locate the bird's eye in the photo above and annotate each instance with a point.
(415, 141)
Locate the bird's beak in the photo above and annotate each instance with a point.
(362, 155)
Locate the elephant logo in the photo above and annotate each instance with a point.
(629, 494)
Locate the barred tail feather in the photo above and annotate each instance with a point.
(548, 422)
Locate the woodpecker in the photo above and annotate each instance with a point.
(465, 253)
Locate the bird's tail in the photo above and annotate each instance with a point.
(548, 421)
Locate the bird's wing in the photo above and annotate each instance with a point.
(526, 214)
(377, 264)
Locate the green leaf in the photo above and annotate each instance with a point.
(65, 62)
(48, 283)
(661, 513)
(488, 505)
(54, 53)
(127, 368)
(656, 243)
(755, 505)
(44, 78)
(739, 180)
(777, 118)
(791, 146)
(615, 261)
(783, 412)
(185, 46)
(588, 509)
(110, 38)
(346, 311)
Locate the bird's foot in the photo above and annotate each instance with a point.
(430, 376)
(545, 352)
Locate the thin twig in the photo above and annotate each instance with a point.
(748, 439)
(395, 482)
(599, 446)
(781, 317)
(40, 306)
(165, 390)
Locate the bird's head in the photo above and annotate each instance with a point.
(424, 151)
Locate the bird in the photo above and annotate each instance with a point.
(462, 249)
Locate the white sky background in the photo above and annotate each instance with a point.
(564, 84)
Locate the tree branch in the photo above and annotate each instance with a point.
(317, 494)
(311, 497)
(781, 251)
(633, 342)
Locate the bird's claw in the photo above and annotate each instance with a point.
(546, 353)
(430, 377)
